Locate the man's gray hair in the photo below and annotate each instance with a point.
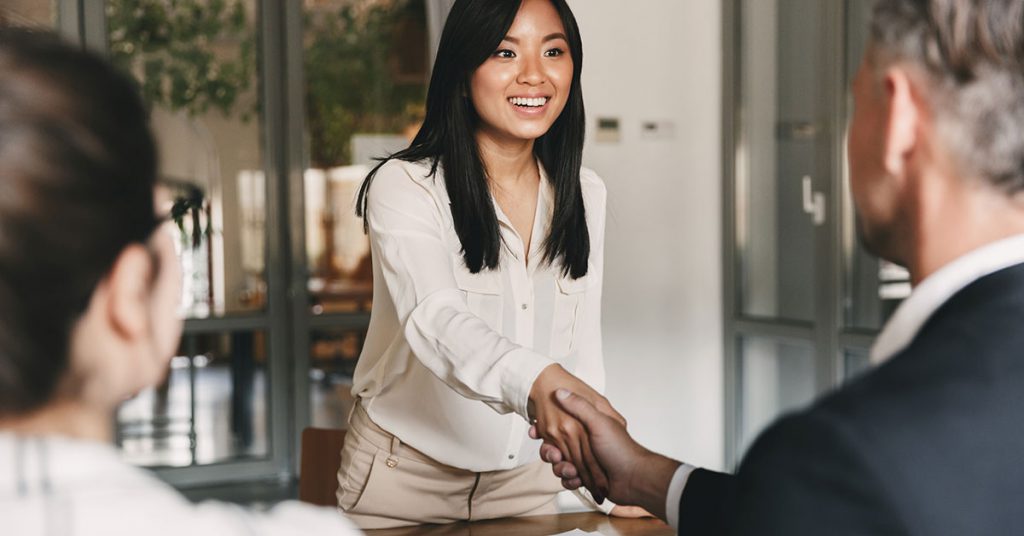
(973, 54)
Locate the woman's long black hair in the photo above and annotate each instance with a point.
(472, 33)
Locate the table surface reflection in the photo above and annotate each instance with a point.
(539, 526)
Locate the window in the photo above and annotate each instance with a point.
(366, 70)
(264, 156)
(197, 66)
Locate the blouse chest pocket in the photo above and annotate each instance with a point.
(570, 301)
(483, 292)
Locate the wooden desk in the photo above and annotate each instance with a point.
(539, 526)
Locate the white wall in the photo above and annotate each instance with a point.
(660, 60)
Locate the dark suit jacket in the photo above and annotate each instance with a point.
(930, 443)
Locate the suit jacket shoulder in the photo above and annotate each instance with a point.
(928, 443)
(807, 476)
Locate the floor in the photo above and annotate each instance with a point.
(260, 495)
(225, 420)
(169, 427)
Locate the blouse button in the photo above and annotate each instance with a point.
(524, 306)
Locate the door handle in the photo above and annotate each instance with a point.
(814, 202)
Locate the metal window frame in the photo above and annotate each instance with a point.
(730, 256)
(294, 190)
(69, 20)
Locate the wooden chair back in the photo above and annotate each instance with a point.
(318, 469)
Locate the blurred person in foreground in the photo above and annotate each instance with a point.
(89, 292)
(930, 441)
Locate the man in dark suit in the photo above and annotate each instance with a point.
(931, 442)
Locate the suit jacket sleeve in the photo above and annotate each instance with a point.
(706, 504)
(807, 476)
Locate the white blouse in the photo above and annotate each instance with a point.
(450, 356)
(64, 487)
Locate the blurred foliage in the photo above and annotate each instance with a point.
(190, 55)
(354, 77)
(197, 55)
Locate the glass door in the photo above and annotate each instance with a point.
(210, 79)
(781, 176)
(872, 288)
(804, 301)
(365, 82)
(866, 278)
(267, 115)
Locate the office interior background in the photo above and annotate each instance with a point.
(734, 288)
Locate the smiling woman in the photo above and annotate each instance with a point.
(487, 243)
(520, 90)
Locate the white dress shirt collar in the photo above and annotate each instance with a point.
(939, 287)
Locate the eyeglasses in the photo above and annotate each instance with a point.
(187, 202)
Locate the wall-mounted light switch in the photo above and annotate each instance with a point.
(658, 130)
(608, 130)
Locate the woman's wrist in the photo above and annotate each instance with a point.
(545, 384)
(521, 373)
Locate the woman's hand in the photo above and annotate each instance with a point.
(559, 428)
(630, 512)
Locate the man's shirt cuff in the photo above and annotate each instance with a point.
(675, 494)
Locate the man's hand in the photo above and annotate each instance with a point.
(636, 476)
(614, 450)
(564, 431)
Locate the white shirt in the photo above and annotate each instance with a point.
(908, 319)
(939, 287)
(63, 487)
(450, 356)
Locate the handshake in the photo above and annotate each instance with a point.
(586, 442)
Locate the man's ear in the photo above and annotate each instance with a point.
(903, 120)
(127, 288)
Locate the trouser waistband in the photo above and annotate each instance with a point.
(361, 423)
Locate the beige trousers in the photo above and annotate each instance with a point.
(384, 483)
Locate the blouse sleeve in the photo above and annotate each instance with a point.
(407, 232)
